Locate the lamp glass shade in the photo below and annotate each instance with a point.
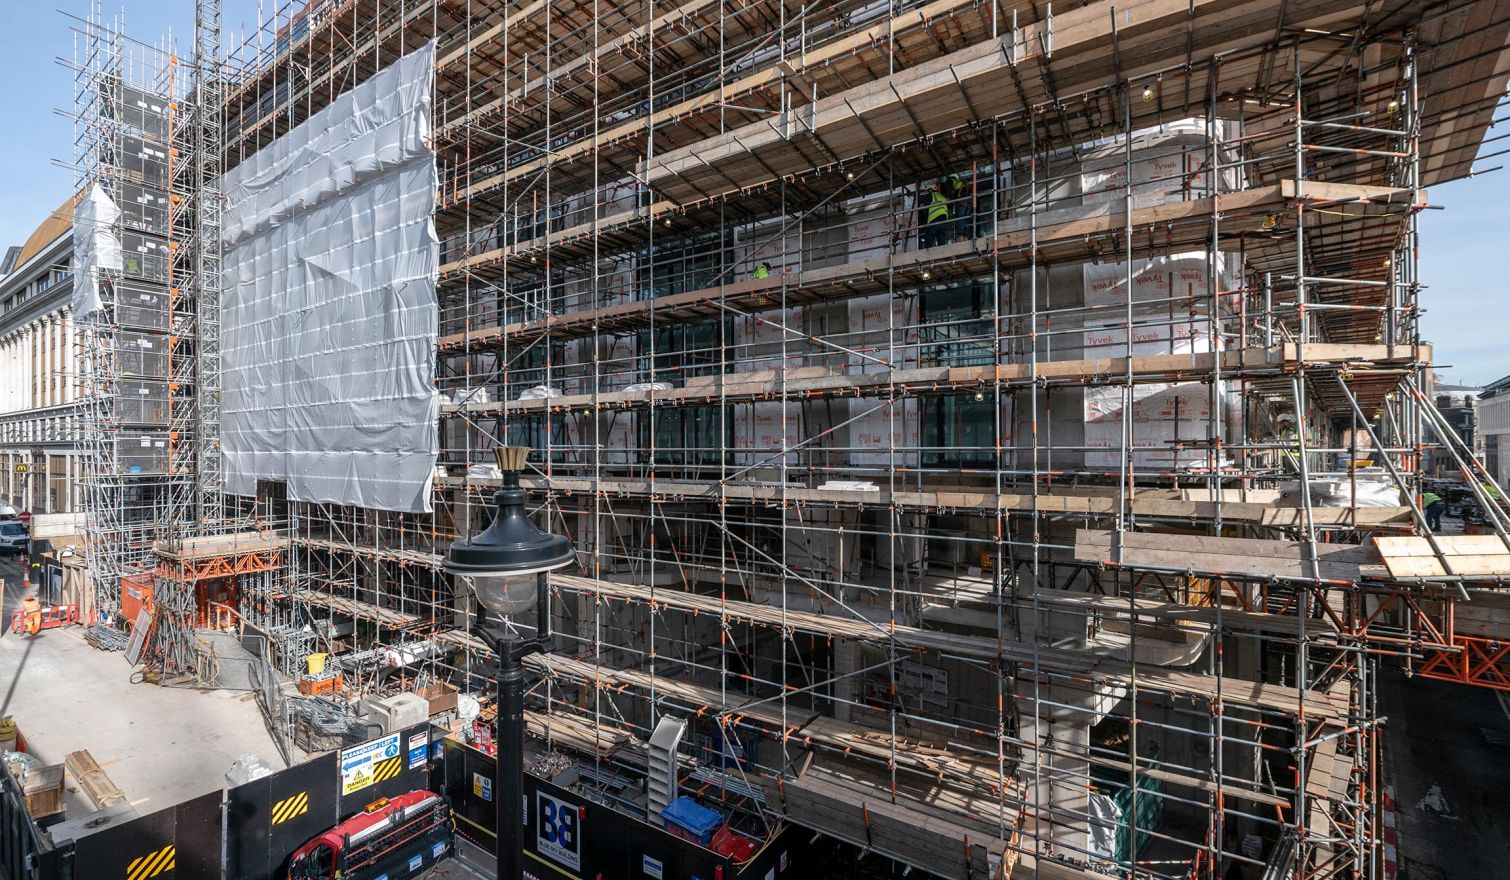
(506, 595)
(502, 560)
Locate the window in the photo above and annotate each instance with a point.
(530, 431)
(319, 864)
(323, 861)
(681, 351)
(58, 496)
(524, 301)
(694, 435)
(959, 430)
(688, 264)
(526, 368)
(957, 320)
(38, 477)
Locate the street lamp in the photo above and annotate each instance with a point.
(507, 565)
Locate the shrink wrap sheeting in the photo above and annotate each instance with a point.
(329, 314)
(95, 248)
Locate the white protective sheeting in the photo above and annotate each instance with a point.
(1105, 818)
(329, 314)
(95, 248)
(1374, 488)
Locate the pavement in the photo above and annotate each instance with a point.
(159, 745)
(1447, 749)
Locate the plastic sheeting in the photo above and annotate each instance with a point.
(329, 315)
(95, 248)
(1105, 817)
(1375, 488)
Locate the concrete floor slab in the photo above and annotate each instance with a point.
(159, 745)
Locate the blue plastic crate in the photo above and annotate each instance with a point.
(690, 820)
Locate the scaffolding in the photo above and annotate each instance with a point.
(997, 431)
(148, 136)
(124, 93)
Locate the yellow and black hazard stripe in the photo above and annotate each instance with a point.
(151, 864)
(290, 808)
(388, 769)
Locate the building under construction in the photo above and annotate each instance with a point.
(991, 433)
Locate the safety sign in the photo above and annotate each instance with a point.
(359, 765)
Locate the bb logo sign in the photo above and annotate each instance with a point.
(559, 836)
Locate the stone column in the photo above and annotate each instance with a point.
(12, 378)
(34, 371)
(50, 386)
(70, 355)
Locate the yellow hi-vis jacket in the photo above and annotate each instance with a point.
(938, 207)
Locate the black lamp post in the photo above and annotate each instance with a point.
(500, 564)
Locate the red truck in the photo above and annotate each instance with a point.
(391, 839)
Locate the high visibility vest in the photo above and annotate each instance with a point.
(762, 272)
(938, 207)
(1291, 439)
(1429, 498)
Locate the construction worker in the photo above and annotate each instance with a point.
(960, 208)
(31, 613)
(1433, 505)
(1289, 440)
(763, 270)
(936, 229)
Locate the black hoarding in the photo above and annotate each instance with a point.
(268, 818)
(568, 836)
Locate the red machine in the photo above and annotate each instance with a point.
(136, 595)
(396, 838)
(482, 737)
(35, 617)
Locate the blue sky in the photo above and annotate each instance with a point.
(1465, 316)
(34, 37)
(1462, 266)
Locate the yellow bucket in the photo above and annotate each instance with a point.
(316, 663)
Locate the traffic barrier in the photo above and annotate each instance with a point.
(51, 616)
